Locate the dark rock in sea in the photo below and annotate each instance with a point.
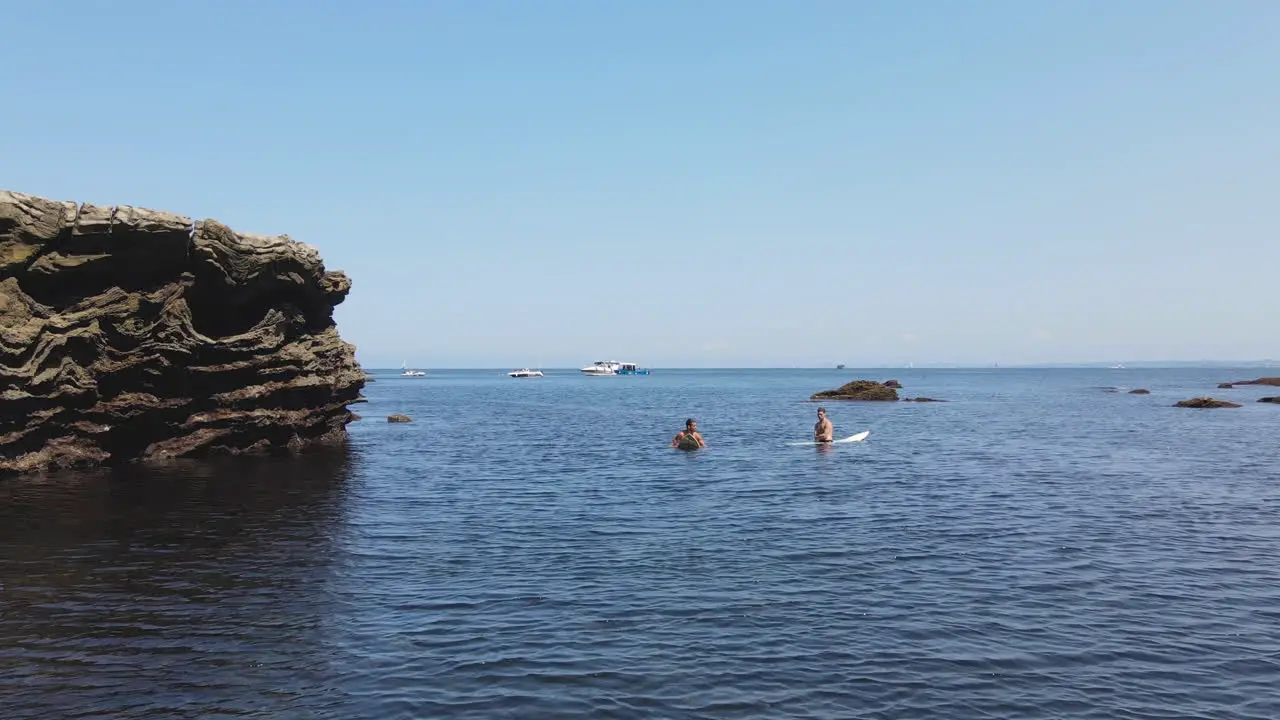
(1225, 386)
(399, 418)
(1273, 381)
(893, 384)
(1206, 402)
(1272, 399)
(858, 390)
(129, 334)
(922, 399)
(1140, 391)
(1109, 389)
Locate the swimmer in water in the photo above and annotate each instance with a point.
(689, 438)
(822, 429)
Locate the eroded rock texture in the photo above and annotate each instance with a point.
(130, 334)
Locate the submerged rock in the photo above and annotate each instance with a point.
(1140, 391)
(858, 390)
(922, 399)
(131, 334)
(1272, 399)
(399, 418)
(1206, 402)
(1225, 386)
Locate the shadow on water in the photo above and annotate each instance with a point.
(193, 587)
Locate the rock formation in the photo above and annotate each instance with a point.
(922, 399)
(1140, 391)
(1225, 386)
(893, 384)
(1206, 402)
(858, 390)
(131, 334)
(1270, 399)
(399, 418)
(1273, 381)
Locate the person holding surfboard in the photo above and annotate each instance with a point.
(822, 430)
(689, 438)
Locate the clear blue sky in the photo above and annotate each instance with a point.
(697, 183)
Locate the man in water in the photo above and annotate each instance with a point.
(689, 438)
(822, 430)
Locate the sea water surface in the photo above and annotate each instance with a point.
(1038, 547)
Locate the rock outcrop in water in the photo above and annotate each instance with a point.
(858, 390)
(1272, 381)
(1206, 402)
(1139, 391)
(131, 334)
(1271, 399)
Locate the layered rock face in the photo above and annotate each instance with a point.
(131, 334)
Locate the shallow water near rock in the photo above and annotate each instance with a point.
(1035, 547)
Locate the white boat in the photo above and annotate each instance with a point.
(410, 373)
(525, 373)
(602, 367)
(613, 367)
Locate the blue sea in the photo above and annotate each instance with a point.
(1043, 545)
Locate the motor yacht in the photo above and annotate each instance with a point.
(602, 367)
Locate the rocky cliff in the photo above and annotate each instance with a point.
(131, 334)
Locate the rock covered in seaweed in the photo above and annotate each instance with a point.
(858, 390)
(1206, 402)
(132, 334)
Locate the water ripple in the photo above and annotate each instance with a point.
(1033, 549)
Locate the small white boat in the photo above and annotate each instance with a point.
(525, 373)
(602, 367)
(410, 373)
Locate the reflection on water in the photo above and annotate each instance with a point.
(144, 590)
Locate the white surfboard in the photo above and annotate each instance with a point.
(851, 439)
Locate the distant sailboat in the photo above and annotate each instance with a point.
(404, 366)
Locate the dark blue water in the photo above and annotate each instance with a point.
(1036, 548)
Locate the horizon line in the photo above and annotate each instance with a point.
(1096, 364)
